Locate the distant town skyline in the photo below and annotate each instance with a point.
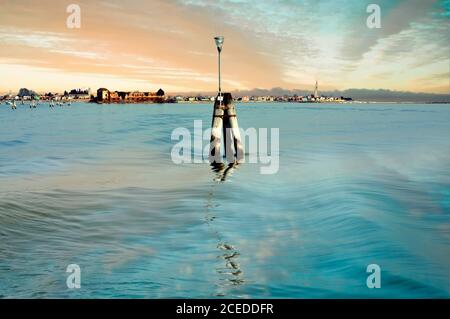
(145, 45)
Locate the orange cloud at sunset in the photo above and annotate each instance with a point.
(134, 46)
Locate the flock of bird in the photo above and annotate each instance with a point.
(34, 104)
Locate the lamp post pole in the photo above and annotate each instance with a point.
(220, 87)
(219, 43)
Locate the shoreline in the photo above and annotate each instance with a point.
(210, 102)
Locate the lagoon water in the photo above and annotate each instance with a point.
(95, 186)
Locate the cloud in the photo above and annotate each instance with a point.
(396, 16)
(160, 34)
(267, 44)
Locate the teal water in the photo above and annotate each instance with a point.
(95, 186)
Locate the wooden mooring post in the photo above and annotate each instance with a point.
(225, 131)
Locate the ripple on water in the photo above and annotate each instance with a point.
(357, 185)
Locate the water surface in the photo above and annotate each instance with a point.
(95, 186)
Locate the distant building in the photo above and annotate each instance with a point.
(77, 94)
(102, 95)
(106, 96)
(26, 94)
(114, 97)
(316, 90)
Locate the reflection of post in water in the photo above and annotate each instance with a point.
(222, 172)
(230, 271)
(232, 268)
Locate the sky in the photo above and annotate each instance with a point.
(147, 45)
